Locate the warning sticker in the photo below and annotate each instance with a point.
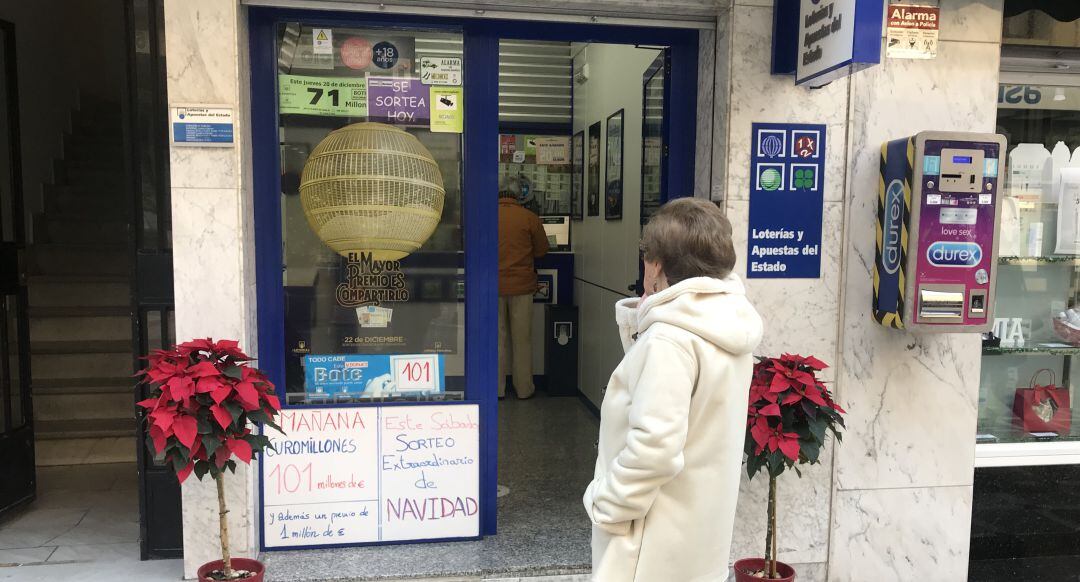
(912, 32)
(440, 71)
(322, 41)
(446, 110)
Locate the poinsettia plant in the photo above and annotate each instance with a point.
(204, 397)
(790, 413)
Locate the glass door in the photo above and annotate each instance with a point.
(16, 418)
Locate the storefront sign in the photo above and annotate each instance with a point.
(201, 125)
(823, 40)
(912, 32)
(330, 96)
(372, 376)
(397, 100)
(447, 109)
(787, 185)
(440, 70)
(350, 476)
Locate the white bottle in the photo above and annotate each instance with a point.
(1035, 239)
(1060, 159)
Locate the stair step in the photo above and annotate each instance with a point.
(85, 428)
(80, 323)
(56, 451)
(81, 347)
(70, 228)
(81, 259)
(106, 385)
(81, 311)
(72, 292)
(80, 365)
(64, 407)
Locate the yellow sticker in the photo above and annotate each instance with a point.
(447, 109)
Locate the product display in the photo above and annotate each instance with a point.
(1043, 407)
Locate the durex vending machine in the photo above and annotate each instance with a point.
(939, 204)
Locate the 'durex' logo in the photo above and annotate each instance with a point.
(894, 217)
(954, 254)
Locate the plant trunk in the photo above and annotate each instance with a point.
(772, 527)
(226, 560)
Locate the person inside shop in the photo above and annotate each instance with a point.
(522, 240)
(662, 500)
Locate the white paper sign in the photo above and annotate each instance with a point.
(440, 70)
(1068, 222)
(553, 150)
(356, 475)
(322, 41)
(911, 31)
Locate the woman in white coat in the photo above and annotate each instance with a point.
(662, 499)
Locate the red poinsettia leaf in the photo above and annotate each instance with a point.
(158, 436)
(182, 387)
(760, 434)
(150, 403)
(815, 363)
(222, 416)
(272, 399)
(779, 383)
(247, 395)
(207, 384)
(790, 447)
(203, 369)
(186, 428)
(804, 378)
(162, 417)
(814, 395)
(240, 448)
(222, 392)
(791, 398)
(770, 410)
(183, 474)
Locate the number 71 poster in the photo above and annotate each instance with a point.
(333, 96)
(373, 376)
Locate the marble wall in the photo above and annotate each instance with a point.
(894, 501)
(213, 247)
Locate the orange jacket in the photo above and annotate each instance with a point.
(521, 241)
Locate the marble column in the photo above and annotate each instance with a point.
(213, 246)
(903, 485)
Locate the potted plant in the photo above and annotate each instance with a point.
(789, 415)
(203, 398)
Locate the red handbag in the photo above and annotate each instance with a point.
(1043, 408)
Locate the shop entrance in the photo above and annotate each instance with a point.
(350, 274)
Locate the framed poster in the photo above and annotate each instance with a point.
(577, 176)
(594, 169)
(613, 173)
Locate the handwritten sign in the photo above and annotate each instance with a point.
(349, 476)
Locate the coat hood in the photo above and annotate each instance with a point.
(715, 310)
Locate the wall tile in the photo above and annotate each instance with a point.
(201, 45)
(758, 96)
(202, 167)
(901, 535)
(912, 398)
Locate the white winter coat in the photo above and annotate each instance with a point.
(662, 499)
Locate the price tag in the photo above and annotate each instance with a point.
(417, 373)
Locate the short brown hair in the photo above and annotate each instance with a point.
(689, 237)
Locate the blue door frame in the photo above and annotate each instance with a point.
(480, 180)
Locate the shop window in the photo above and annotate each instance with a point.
(372, 250)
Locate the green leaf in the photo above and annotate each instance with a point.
(231, 464)
(753, 465)
(201, 469)
(211, 443)
(233, 372)
(817, 428)
(204, 425)
(234, 409)
(811, 449)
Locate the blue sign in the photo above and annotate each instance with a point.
(202, 133)
(201, 126)
(787, 185)
(372, 376)
(820, 41)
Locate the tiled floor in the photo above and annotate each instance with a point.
(83, 526)
(546, 458)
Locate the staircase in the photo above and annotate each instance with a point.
(79, 295)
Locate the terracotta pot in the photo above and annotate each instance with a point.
(237, 564)
(746, 565)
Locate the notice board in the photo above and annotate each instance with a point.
(360, 475)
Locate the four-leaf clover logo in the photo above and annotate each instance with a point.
(804, 178)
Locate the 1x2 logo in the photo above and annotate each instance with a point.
(954, 254)
(894, 219)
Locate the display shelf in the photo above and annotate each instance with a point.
(1034, 350)
(1033, 261)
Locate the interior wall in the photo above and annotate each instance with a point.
(606, 250)
(65, 49)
